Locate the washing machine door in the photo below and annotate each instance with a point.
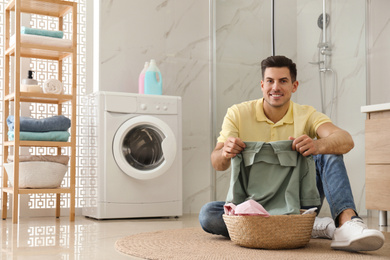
(144, 147)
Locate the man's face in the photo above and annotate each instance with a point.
(277, 87)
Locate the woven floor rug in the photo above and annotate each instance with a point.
(194, 243)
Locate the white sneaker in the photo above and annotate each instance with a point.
(323, 228)
(354, 235)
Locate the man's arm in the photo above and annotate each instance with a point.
(223, 152)
(333, 140)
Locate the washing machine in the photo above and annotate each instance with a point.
(135, 161)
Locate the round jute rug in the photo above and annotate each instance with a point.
(194, 243)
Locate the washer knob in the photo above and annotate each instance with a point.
(143, 106)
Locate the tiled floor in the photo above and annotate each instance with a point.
(50, 238)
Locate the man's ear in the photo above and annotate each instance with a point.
(295, 86)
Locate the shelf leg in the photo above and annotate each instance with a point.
(72, 206)
(58, 202)
(15, 207)
(4, 205)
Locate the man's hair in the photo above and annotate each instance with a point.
(279, 62)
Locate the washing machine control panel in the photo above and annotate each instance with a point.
(157, 106)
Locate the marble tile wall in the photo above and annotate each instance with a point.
(378, 57)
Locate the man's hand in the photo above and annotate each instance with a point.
(304, 145)
(223, 152)
(232, 147)
(332, 140)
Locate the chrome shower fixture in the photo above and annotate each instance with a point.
(325, 49)
(324, 53)
(320, 20)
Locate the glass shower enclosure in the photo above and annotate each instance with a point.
(242, 37)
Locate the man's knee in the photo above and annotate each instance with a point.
(330, 163)
(210, 218)
(328, 158)
(209, 212)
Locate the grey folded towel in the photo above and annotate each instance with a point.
(28, 124)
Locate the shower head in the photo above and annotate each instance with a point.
(320, 20)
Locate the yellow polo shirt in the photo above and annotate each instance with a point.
(248, 122)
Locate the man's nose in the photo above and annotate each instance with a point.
(275, 86)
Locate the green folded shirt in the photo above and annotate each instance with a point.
(280, 179)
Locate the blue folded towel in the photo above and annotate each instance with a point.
(60, 136)
(28, 124)
(41, 32)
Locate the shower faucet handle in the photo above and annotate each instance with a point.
(323, 45)
(326, 52)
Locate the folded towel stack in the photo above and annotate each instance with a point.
(53, 128)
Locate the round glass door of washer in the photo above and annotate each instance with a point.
(144, 147)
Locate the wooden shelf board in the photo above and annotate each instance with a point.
(40, 97)
(54, 8)
(40, 51)
(44, 190)
(39, 143)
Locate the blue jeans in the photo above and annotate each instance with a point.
(332, 183)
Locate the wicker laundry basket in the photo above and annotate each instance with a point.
(274, 232)
(37, 174)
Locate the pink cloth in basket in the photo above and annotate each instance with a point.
(247, 208)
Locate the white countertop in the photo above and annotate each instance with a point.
(375, 108)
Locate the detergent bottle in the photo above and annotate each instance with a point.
(30, 84)
(153, 79)
(141, 79)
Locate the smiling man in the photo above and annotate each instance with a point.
(276, 118)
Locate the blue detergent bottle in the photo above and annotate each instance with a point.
(153, 80)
